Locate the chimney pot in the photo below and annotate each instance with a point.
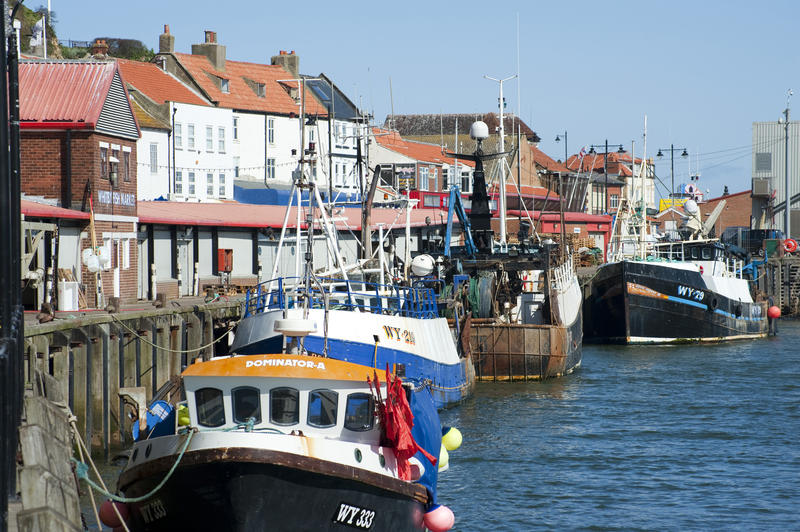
(211, 37)
(166, 29)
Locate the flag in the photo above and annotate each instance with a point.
(582, 153)
(37, 33)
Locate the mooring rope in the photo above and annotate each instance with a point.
(82, 470)
(145, 340)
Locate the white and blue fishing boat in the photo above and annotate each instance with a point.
(357, 317)
(364, 323)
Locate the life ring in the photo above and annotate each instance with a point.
(790, 245)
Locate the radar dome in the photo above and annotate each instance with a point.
(691, 207)
(479, 130)
(422, 265)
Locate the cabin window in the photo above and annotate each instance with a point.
(284, 406)
(210, 409)
(695, 253)
(359, 412)
(246, 404)
(708, 253)
(322, 408)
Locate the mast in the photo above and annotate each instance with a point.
(502, 194)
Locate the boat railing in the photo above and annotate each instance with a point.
(342, 294)
(562, 275)
(681, 251)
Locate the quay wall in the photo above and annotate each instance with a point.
(92, 357)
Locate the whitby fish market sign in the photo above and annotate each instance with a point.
(116, 198)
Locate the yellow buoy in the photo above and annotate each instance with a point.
(183, 416)
(452, 440)
(444, 458)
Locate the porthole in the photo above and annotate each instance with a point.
(147, 450)
(358, 455)
(382, 460)
(135, 455)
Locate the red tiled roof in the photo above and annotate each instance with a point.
(232, 214)
(545, 161)
(616, 163)
(42, 210)
(421, 151)
(526, 190)
(240, 95)
(63, 94)
(156, 84)
(569, 216)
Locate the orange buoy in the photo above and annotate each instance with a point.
(773, 312)
(790, 245)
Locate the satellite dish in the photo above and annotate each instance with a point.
(691, 207)
(479, 131)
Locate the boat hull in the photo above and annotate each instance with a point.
(641, 302)
(243, 489)
(518, 352)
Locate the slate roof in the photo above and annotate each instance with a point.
(240, 94)
(434, 124)
(146, 120)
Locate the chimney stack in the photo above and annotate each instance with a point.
(289, 61)
(166, 42)
(214, 51)
(99, 48)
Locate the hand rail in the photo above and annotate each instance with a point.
(346, 294)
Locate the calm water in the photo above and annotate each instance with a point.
(639, 438)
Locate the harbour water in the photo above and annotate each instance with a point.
(695, 437)
(639, 438)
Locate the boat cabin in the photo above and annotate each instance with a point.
(286, 394)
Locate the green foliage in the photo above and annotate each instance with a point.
(74, 53)
(128, 49)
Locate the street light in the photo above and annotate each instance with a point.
(605, 165)
(558, 139)
(672, 149)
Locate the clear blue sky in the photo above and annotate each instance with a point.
(702, 71)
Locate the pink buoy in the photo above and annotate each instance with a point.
(109, 517)
(773, 312)
(440, 519)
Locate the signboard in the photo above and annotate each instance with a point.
(406, 175)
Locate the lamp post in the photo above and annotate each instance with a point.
(672, 149)
(558, 139)
(605, 166)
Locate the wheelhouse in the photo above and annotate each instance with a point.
(261, 399)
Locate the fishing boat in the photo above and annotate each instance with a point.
(688, 288)
(372, 316)
(287, 442)
(686, 291)
(516, 303)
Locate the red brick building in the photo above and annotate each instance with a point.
(78, 139)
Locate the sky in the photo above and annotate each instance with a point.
(700, 71)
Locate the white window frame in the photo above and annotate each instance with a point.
(210, 139)
(178, 136)
(235, 128)
(179, 182)
(270, 168)
(189, 136)
(222, 190)
(423, 178)
(192, 190)
(209, 184)
(271, 130)
(236, 161)
(153, 158)
(221, 139)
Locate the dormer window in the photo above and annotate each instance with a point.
(224, 86)
(261, 90)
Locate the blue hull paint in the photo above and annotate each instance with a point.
(450, 383)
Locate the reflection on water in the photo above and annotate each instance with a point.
(695, 437)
